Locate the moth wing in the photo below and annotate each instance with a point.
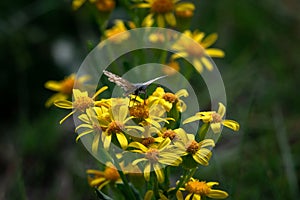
(152, 80)
(123, 83)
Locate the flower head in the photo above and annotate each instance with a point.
(200, 189)
(168, 99)
(156, 158)
(198, 54)
(99, 179)
(119, 27)
(63, 88)
(163, 10)
(215, 119)
(81, 102)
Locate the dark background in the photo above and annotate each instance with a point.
(46, 40)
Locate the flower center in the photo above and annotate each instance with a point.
(82, 103)
(147, 141)
(197, 187)
(162, 6)
(115, 127)
(105, 5)
(67, 85)
(194, 50)
(193, 147)
(169, 134)
(111, 174)
(170, 97)
(152, 155)
(216, 118)
(139, 111)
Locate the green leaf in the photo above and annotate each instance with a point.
(102, 196)
(136, 193)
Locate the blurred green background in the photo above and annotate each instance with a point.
(46, 40)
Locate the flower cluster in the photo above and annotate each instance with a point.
(144, 134)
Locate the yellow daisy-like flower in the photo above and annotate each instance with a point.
(91, 124)
(81, 102)
(99, 179)
(163, 10)
(200, 151)
(199, 55)
(215, 119)
(101, 5)
(157, 158)
(116, 125)
(119, 27)
(168, 99)
(63, 88)
(200, 189)
(148, 114)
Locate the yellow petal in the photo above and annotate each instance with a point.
(159, 173)
(55, 97)
(216, 127)
(71, 113)
(83, 134)
(216, 53)
(198, 66)
(209, 40)
(191, 119)
(138, 146)
(107, 140)
(122, 140)
(185, 6)
(231, 124)
(221, 110)
(160, 21)
(217, 194)
(95, 143)
(148, 195)
(207, 63)
(63, 104)
(170, 18)
(53, 85)
(147, 172)
(99, 91)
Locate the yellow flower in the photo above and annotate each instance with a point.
(200, 151)
(163, 10)
(119, 27)
(101, 5)
(99, 179)
(105, 5)
(200, 189)
(91, 125)
(116, 125)
(168, 99)
(185, 11)
(189, 49)
(81, 102)
(156, 158)
(63, 88)
(215, 119)
(148, 114)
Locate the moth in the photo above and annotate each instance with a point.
(130, 88)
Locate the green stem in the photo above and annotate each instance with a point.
(187, 175)
(123, 177)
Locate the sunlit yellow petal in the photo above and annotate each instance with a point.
(55, 97)
(63, 104)
(191, 119)
(170, 18)
(217, 194)
(216, 53)
(221, 110)
(53, 85)
(122, 140)
(138, 145)
(71, 113)
(99, 91)
(231, 124)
